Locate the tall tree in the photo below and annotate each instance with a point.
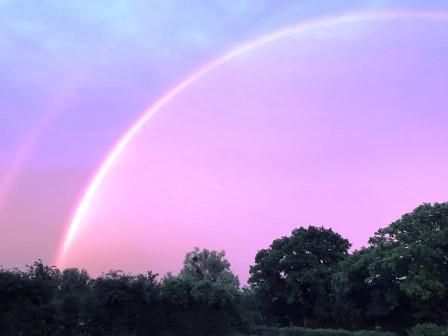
(73, 293)
(209, 265)
(366, 297)
(401, 278)
(415, 255)
(206, 292)
(122, 304)
(292, 277)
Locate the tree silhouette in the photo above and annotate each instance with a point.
(293, 275)
(306, 279)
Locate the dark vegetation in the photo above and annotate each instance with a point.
(307, 284)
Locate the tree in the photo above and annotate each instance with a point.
(401, 278)
(122, 304)
(27, 305)
(206, 292)
(209, 265)
(14, 302)
(366, 297)
(415, 255)
(73, 293)
(292, 277)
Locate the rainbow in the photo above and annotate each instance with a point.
(112, 157)
(31, 142)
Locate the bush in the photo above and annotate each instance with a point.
(326, 332)
(292, 331)
(428, 329)
(373, 333)
(298, 331)
(267, 331)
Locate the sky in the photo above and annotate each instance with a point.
(76, 76)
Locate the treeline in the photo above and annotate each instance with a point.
(299, 285)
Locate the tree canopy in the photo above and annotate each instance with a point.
(306, 279)
(293, 274)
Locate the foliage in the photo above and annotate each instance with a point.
(120, 303)
(366, 297)
(428, 329)
(293, 276)
(415, 256)
(299, 331)
(44, 301)
(402, 278)
(27, 302)
(373, 333)
(206, 292)
(307, 279)
(210, 266)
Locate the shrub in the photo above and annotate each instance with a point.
(298, 331)
(267, 331)
(327, 332)
(374, 333)
(428, 329)
(292, 331)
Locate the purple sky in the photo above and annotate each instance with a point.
(341, 127)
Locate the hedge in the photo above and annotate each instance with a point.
(298, 331)
(428, 329)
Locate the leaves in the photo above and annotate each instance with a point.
(294, 274)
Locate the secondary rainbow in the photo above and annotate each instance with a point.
(111, 158)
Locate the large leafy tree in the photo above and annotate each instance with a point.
(366, 297)
(401, 278)
(122, 304)
(15, 304)
(206, 292)
(414, 256)
(292, 277)
(27, 305)
(209, 265)
(71, 299)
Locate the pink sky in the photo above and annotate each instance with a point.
(343, 126)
